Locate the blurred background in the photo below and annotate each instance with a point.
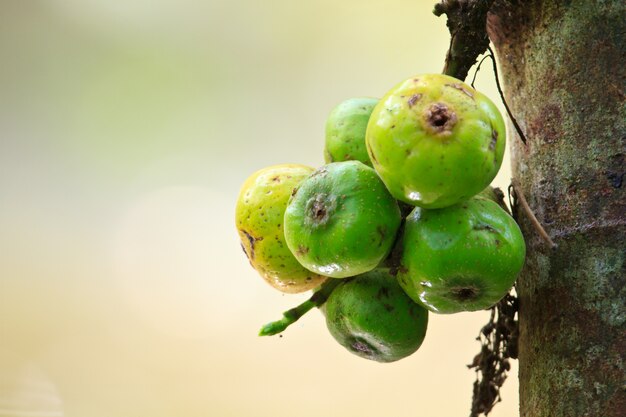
(126, 130)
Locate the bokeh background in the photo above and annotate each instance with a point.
(126, 130)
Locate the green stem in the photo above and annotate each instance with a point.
(292, 315)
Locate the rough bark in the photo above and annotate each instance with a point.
(563, 67)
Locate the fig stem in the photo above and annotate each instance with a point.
(292, 315)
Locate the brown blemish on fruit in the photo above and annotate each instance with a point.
(294, 191)
(252, 241)
(413, 99)
(360, 346)
(373, 157)
(462, 89)
(243, 248)
(320, 171)
(483, 226)
(440, 119)
(319, 212)
(464, 293)
(382, 292)
(494, 140)
(302, 250)
(276, 178)
(388, 307)
(319, 209)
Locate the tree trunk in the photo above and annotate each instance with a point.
(563, 71)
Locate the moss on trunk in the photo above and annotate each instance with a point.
(563, 67)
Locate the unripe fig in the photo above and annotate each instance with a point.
(372, 317)
(435, 141)
(345, 131)
(460, 258)
(341, 221)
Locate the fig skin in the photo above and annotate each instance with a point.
(460, 258)
(259, 219)
(341, 221)
(345, 131)
(435, 141)
(372, 317)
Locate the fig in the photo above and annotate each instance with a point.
(435, 141)
(341, 221)
(372, 317)
(460, 258)
(259, 218)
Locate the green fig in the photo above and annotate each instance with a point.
(435, 141)
(460, 258)
(345, 131)
(341, 221)
(372, 317)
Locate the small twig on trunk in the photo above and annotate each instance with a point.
(519, 196)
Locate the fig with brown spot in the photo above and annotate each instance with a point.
(259, 219)
(435, 141)
(342, 223)
(460, 258)
(373, 318)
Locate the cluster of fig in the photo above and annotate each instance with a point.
(399, 222)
